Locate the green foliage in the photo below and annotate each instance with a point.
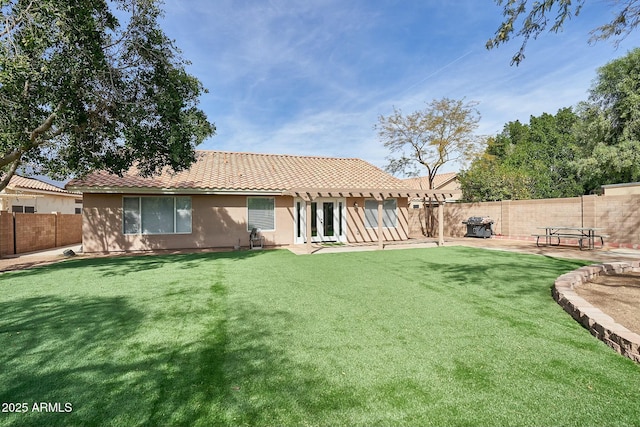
(530, 18)
(609, 132)
(83, 87)
(531, 161)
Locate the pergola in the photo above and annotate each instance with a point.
(311, 194)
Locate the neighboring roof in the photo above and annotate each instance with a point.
(18, 182)
(218, 171)
(439, 180)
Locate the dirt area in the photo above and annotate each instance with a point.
(616, 295)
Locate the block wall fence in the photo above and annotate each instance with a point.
(618, 216)
(26, 232)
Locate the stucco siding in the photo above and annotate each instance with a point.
(217, 222)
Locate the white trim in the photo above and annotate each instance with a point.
(341, 214)
(140, 232)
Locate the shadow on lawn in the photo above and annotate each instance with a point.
(121, 265)
(94, 353)
(507, 274)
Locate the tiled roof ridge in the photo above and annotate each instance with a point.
(304, 156)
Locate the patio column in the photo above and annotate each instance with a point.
(441, 223)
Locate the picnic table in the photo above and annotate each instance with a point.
(586, 236)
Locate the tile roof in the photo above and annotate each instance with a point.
(247, 172)
(18, 182)
(438, 181)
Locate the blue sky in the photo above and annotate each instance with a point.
(311, 77)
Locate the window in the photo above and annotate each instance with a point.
(78, 211)
(261, 213)
(156, 215)
(389, 213)
(23, 209)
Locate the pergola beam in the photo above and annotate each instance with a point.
(375, 193)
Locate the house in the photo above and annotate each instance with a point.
(224, 195)
(442, 182)
(29, 195)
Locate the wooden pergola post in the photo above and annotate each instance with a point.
(441, 223)
(380, 225)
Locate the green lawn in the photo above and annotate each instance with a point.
(442, 336)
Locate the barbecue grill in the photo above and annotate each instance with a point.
(479, 226)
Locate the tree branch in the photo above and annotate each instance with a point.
(10, 173)
(44, 127)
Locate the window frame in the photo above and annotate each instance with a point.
(139, 220)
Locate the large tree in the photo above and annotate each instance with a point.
(427, 139)
(93, 84)
(527, 161)
(610, 127)
(530, 18)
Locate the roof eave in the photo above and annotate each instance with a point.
(173, 191)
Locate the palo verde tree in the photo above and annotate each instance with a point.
(93, 84)
(530, 18)
(428, 139)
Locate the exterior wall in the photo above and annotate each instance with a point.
(217, 222)
(35, 232)
(42, 203)
(519, 219)
(6, 233)
(357, 232)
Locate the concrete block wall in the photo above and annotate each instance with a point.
(527, 216)
(68, 229)
(35, 232)
(6, 233)
(455, 213)
(618, 216)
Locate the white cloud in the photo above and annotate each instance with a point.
(312, 76)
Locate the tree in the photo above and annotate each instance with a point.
(84, 87)
(441, 133)
(527, 161)
(530, 18)
(609, 132)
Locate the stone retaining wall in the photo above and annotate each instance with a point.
(599, 324)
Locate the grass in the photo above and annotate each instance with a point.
(442, 336)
